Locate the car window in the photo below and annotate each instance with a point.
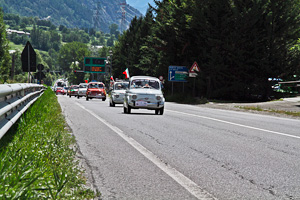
(121, 86)
(96, 85)
(144, 83)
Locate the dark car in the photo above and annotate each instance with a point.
(73, 90)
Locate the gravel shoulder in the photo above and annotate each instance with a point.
(269, 108)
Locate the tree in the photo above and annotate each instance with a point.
(71, 53)
(4, 55)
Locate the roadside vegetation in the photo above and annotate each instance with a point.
(258, 108)
(37, 156)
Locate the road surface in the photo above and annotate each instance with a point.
(189, 152)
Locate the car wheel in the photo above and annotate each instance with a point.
(70, 96)
(103, 99)
(111, 104)
(161, 111)
(87, 98)
(156, 111)
(125, 109)
(129, 109)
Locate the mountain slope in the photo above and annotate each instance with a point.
(74, 13)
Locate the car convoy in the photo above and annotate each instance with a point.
(141, 92)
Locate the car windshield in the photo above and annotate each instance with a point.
(121, 86)
(144, 83)
(96, 85)
(82, 86)
(75, 87)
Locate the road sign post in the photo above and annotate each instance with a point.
(28, 58)
(178, 74)
(193, 73)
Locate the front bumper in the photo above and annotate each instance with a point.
(97, 96)
(146, 104)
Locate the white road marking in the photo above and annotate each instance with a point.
(185, 182)
(241, 125)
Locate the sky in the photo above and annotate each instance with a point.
(141, 5)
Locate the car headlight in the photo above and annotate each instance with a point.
(116, 96)
(158, 98)
(134, 96)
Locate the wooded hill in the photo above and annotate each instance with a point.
(74, 13)
(238, 45)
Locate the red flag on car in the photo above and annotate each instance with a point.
(112, 78)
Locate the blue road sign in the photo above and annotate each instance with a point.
(178, 73)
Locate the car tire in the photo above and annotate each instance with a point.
(128, 109)
(77, 96)
(70, 96)
(103, 99)
(87, 98)
(125, 109)
(156, 111)
(111, 104)
(161, 111)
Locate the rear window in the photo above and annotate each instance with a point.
(96, 85)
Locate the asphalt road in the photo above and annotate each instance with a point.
(189, 152)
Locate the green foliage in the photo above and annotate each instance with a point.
(37, 161)
(4, 55)
(69, 55)
(238, 44)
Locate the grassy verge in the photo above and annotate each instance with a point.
(37, 156)
(184, 99)
(258, 108)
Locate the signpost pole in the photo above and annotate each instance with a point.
(172, 88)
(194, 87)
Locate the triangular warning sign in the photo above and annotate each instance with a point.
(195, 68)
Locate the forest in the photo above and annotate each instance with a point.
(239, 46)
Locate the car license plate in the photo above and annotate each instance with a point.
(141, 103)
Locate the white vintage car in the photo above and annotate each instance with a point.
(118, 93)
(82, 90)
(144, 92)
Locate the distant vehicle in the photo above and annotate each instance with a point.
(144, 92)
(118, 93)
(82, 90)
(96, 90)
(59, 90)
(60, 83)
(73, 90)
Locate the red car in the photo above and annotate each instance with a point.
(59, 90)
(96, 90)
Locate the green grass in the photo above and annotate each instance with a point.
(258, 108)
(185, 99)
(37, 156)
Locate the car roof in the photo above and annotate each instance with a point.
(96, 83)
(144, 77)
(121, 82)
(83, 84)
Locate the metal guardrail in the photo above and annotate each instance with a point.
(15, 99)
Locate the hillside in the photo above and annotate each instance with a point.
(74, 13)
